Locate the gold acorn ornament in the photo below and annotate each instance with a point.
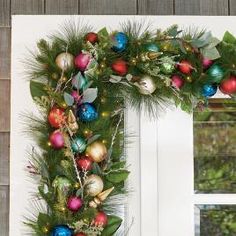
(101, 197)
(146, 85)
(94, 185)
(65, 61)
(72, 123)
(97, 151)
(149, 56)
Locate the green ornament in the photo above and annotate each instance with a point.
(78, 145)
(62, 184)
(167, 68)
(216, 73)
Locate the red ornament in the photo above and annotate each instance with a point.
(177, 81)
(228, 86)
(56, 117)
(84, 163)
(74, 203)
(80, 234)
(185, 67)
(100, 219)
(82, 61)
(91, 37)
(120, 67)
(56, 139)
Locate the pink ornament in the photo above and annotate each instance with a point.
(76, 96)
(74, 203)
(82, 61)
(57, 140)
(206, 62)
(177, 81)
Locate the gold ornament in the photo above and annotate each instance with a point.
(94, 185)
(189, 79)
(101, 197)
(65, 61)
(97, 151)
(149, 56)
(146, 85)
(72, 123)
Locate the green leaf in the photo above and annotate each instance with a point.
(118, 165)
(113, 225)
(117, 176)
(68, 99)
(96, 169)
(210, 53)
(43, 219)
(229, 38)
(37, 89)
(103, 32)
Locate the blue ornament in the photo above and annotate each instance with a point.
(61, 230)
(78, 145)
(208, 90)
(87, 112)
(120, 42)
(216, 73)
(152, 47)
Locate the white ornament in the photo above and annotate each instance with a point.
(94, 185)
(65, 61)
(146, 85)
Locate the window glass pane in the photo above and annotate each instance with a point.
(215, 147)
(215, 220)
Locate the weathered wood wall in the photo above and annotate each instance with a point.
(10, 7)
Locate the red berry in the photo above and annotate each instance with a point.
(120, 67)
(80, 234)
(91, 37)
(56, 117)
(84, 163)
(100, 219)
(185, 67)
(228, 86)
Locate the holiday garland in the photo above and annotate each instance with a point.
(81, 81)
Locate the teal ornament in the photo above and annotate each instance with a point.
(87, 112)
(209, 90)
(78, 145)
(61, 230)
(216, 73)
(167, 68)
(120, 42)
(152, 47)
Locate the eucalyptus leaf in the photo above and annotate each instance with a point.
(68, 99)
(211, 53)
(115, 79)
(93, 138)
(113, 225)
(79, 192)
(96, 169)
(182, 48)
(89, 95)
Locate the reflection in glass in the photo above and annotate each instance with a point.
(215, 220)
(215, 147)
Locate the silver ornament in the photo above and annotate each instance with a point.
(146, 85)
(65, 61)
(94, 185)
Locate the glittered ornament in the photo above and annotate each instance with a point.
(100, 219)
(152, 47)
(82, 61)
(74, 203)
(56, 139)
(120, 67)
(101, 197)
(72, 123)
(65, 61)
(177, 81)
(62, 183)
(146, 85)
(91, 37)
(61, 230)
(87, 112)
(216, 73)
(84, 163)
(56, 117)
(185, 67)
(120, 41)
(167, 68)
(94, 185)
(206, 63)
(228, 86)
(97, 151)
(78, 145)
(209, 90)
